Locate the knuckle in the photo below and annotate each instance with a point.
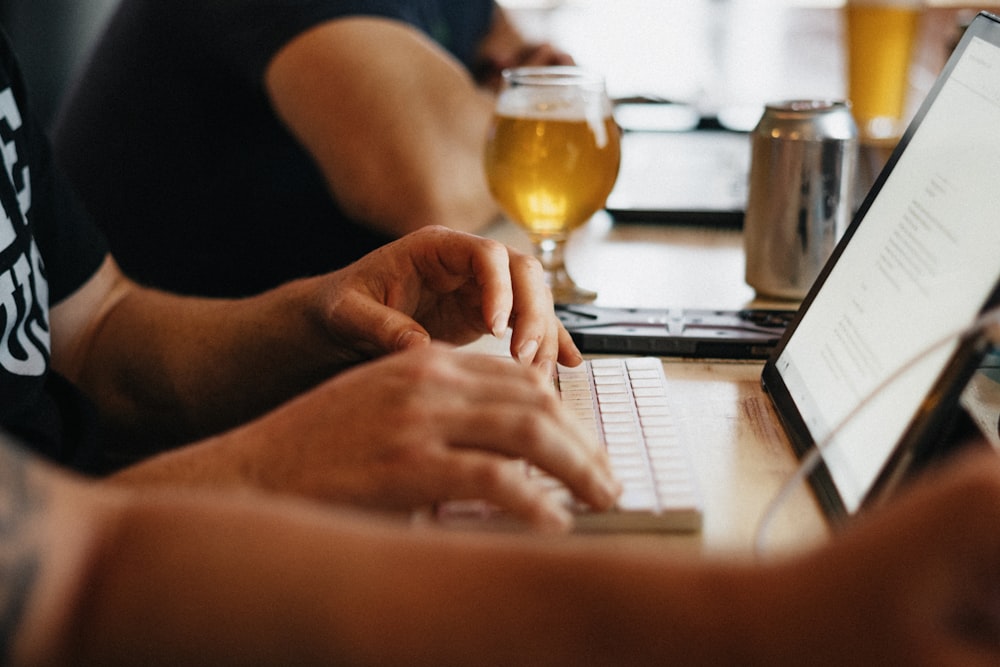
(532, 431)
(417, 456)
(493, 246)
(433, 231)
(527, 264)
(490, 476)
(426, 366)
(549, 402)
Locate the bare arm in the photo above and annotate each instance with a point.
(189, 579)
(160, 363)
(52, 530)
(402, 433)
(207, 579)
(395, 123)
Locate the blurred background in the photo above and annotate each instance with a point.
(711, 53)
(51, 38)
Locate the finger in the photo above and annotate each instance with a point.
(376, 328)
(569, 353)
(544, 54)
(535, 337)
(552, 446)
(557, 345)
(484, 261)
(525, 420)
(492, 270)
(505, 385)
(492, 404)
(505, 484)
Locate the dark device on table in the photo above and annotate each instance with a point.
(708, 334)
(696, 178)
(871, 369)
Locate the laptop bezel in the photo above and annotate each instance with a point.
(926, 434)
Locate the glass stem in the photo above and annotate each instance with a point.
(550, 252)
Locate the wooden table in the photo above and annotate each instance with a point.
(741, 455)
(717, 55)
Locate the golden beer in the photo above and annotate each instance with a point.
(880, 37)
(551, 160)
(551, 174)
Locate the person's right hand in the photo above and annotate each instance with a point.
(415, 428)
(440, 284)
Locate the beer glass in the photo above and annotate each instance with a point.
(880, 37)
(552, 158)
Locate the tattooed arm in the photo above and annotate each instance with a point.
(92, 576)
(51, 529)
(21, 505)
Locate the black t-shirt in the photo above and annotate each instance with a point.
(171, 141)
(48, 249)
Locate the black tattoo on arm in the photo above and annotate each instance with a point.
(21, 503)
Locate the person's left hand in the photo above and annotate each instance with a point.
(504, 47)
(445, 285)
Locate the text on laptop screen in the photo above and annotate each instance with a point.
(921, 264)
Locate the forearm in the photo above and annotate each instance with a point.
(53, 534)
(175, 368)
(395, 123)
(217, 583)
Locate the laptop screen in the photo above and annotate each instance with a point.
(693, 177)
(920, 260)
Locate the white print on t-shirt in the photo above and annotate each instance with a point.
(24, 345)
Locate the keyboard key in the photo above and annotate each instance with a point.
(637, 427)
(625, 403)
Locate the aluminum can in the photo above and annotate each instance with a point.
(802, 169)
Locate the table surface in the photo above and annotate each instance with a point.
(672, 49)
(741, 456)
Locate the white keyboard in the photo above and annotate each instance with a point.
(625, 402)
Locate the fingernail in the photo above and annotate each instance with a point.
(616, 490)
(615, 486)
(500, 323)
(527, 351)
(409, 339)
(612, 488)
(556, 519)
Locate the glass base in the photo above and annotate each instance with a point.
(570, 294)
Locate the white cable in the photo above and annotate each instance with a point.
(988, 323)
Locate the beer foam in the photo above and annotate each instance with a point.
(569, 105)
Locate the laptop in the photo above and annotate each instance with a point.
(871, 368)
(695, 177)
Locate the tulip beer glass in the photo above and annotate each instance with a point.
(552, 158)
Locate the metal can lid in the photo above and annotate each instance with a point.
(808, 120)
(807, 106)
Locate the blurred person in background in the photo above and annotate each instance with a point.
(227, 146)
